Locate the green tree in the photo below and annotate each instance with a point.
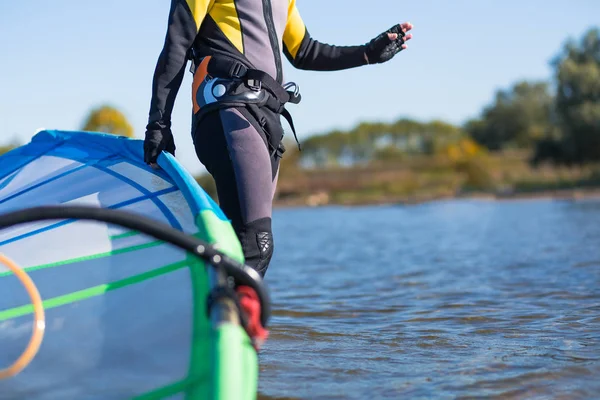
(518, 117)
(6, 148)
(14, 143)
(382, 142)
(577, 70)
(108, 119)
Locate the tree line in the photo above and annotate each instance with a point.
(557, 120)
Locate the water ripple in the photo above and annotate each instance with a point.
(449, 300)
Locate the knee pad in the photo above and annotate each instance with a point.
(257, 243)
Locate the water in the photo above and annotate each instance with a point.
(455, 299)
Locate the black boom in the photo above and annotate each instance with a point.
(242, 274)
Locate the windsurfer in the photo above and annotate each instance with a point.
(235, 47)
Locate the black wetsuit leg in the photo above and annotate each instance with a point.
(232, 147)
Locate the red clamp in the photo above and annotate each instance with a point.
(250, 305)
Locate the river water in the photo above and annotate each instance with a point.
(451, 299)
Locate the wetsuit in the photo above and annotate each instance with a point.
(238, 143)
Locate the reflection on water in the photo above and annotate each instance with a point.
(455, 299)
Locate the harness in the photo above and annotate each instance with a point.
(221, 81)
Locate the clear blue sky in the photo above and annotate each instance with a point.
(60, 58)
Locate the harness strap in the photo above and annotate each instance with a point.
(229, 68)
(286, 114)
(226, 67)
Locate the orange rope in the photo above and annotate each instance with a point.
(39, 325)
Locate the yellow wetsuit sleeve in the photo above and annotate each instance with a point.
(295, 31)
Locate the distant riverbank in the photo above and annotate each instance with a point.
(322, 199)
(502, 176)
(412, 180)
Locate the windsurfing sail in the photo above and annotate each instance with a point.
(127, 308)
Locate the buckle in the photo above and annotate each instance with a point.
(255, 85)
(294, 95)
(296, 87)
(238, 70)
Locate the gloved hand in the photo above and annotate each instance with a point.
(155, 142)
(385, 46)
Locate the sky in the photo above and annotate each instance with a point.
(61, 58)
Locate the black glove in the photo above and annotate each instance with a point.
(382, 49)
(156, 141)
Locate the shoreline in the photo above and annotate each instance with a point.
(557, 194)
